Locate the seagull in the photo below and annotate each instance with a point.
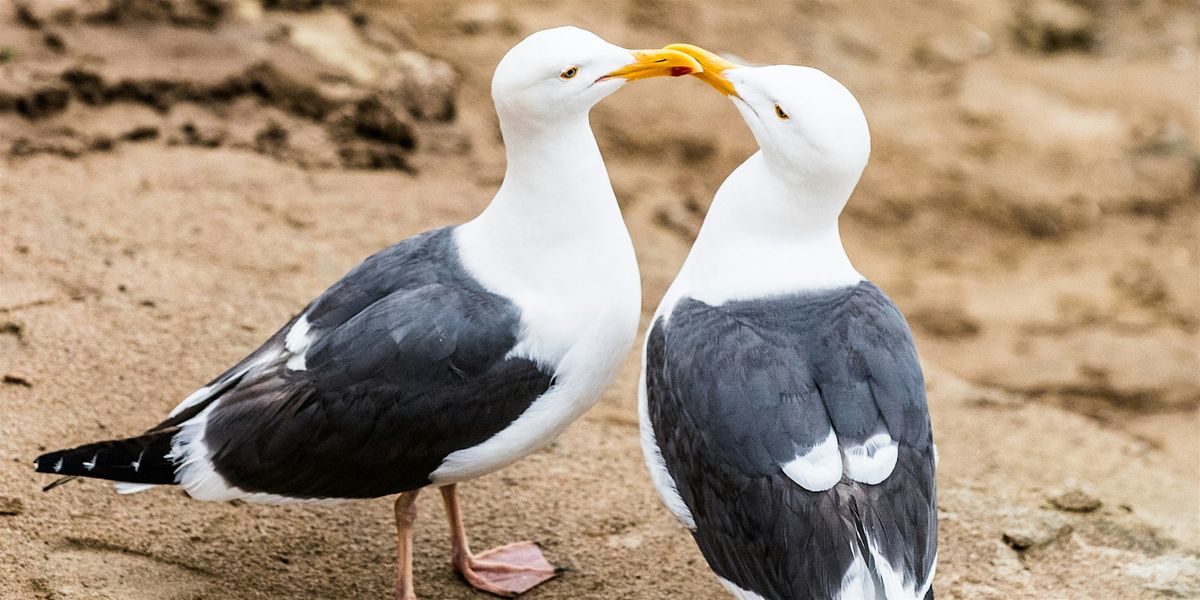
(444, 357)
(782, 405)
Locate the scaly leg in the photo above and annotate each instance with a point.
(505, 571)
(406, 515)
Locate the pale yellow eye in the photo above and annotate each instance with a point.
(569, 73)
(782, 114)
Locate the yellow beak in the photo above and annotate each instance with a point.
(713, 67)
(656, 63)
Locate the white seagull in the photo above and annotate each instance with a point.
(782, 405)
(444, 357)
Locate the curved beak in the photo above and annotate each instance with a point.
(656, 63)
(713, 67)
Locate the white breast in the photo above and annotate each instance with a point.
(579, 306)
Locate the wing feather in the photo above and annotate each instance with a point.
(751, 402)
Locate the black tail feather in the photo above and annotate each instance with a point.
(141, 459)
(59, 481)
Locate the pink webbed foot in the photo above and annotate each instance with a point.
(507, 570)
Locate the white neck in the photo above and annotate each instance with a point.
(553, 239)
(553, 242)
(764, 236)
(555, 189)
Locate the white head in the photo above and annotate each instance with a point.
(562, 72)
(810, 127)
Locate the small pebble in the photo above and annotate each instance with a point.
(17, 380)
(11, 507)
(1075, 501)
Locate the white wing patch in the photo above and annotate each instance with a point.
(297, 363)
(193, 399)
(207, 391)
(820, 468)
(297, 342)
(297, 337)
(132, 488)
(737, 591)
(873, 460)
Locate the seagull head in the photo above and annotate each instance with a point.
(560, 73)
(810, 127)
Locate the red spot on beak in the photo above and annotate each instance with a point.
(680, 71)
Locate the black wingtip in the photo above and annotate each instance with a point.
(45, 463)
(142, 459)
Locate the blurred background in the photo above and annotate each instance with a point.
(180, 176)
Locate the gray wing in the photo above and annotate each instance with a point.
(410, 263)
(405, 360)
(741, 395)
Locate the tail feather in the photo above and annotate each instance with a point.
(143, 459)
(864, 547)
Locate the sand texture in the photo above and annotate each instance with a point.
(178, 177)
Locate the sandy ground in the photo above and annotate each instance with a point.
(180, 177)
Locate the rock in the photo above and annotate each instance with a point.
(1025, 530)
(945, 322)
(940, 52)
(66, 143)
(54, 42)
(1172, 575)
(26, 15)
(484, 17)
(42, 102)
(371, 119)
(696, 149)
(1141, 283)
(425, 86)
(301, 5)
(676, 17)
(371, 135)
(11, 507)
(86, 85)
(12, 328)
(140, 133)
(183, 13)
(1125, 534)
(1075, 501)
(290, 94)
(373, 155)
(271, 140)
(206, 136)
(1054, 26)
(36, 13)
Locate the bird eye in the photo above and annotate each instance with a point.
(570, 72)
(779, 112)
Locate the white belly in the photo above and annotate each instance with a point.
(584, 371)
(579, 316)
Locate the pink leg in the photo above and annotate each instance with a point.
(504, 571)
(406, 514)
